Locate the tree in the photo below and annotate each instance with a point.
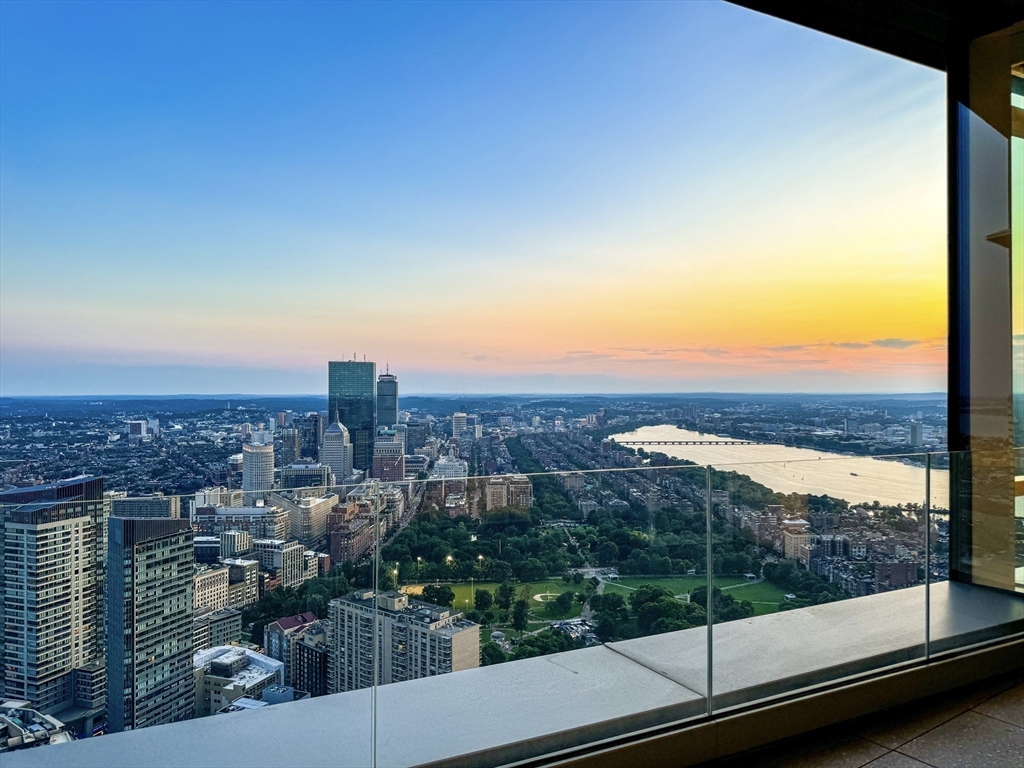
(490, 653)
(438, 595)
(564, 602)
(504, 594)
(482, 600)
(519, 614)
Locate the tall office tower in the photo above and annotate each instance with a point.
(257, 471)
(916, 433)
(149, 623)
(307, 513)
(416, 639)
(458, 424)
(53, 539)
(305, 474)
(157, 505)
(311, 431)
(416, 434)
(291, 446)
(336, 451)
(387, 400)
(352, 400)
(388, 461)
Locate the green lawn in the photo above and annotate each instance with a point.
(765, 596)
(465, 592)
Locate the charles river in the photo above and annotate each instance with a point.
(857, 479)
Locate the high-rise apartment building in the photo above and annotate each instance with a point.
(520, 491)
(157, 505)
(388, 461)
(285, 559)
(387, 400)
(416, 640)
(213, 628)
(497, 493)
(243, 581)
(279, 637)
(53, 539)
(352, 400)
(458, 424)
(311, 659)
(257, 471)
(337, 453)
(149, 623)
(210, 587)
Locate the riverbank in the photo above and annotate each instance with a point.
(788, 469)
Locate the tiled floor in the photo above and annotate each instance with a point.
(981, 726)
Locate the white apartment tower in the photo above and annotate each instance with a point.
(458, 424)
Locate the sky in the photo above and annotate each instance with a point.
(483, 197)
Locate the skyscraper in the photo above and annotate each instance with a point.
(458, 424)
(150, 680)
(51, 592)
(311, 430)
(387, 400)
(352, 400)
(336, 452)
(257, 471)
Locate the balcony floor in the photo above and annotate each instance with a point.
(979, 726)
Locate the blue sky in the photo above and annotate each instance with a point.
(201, 197)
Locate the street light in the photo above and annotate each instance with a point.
(418, 561)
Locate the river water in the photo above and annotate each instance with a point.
(857, 479)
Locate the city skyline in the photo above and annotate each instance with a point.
(622, 205)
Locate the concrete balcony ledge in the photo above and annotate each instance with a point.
(525, 709)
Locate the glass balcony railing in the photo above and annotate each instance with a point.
(582, 595)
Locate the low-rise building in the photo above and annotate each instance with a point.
(22, 727)
(226, 673)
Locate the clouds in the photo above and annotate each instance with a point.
(895, 343)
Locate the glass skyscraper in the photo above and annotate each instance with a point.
(352, 400)
(387, 400)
